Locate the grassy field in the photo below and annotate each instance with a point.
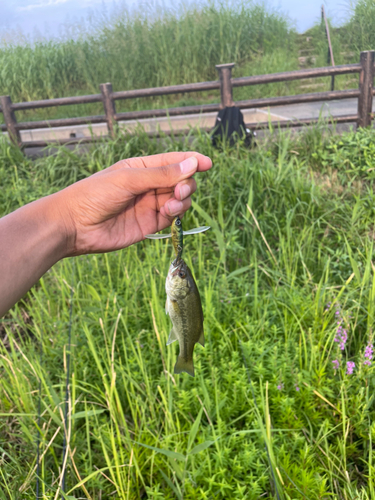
(277, 409)
(147, 49)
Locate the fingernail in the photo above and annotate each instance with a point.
(174, 207)
(184, 191)
(189, 165)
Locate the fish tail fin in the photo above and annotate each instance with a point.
(201, 339)
(183, 365)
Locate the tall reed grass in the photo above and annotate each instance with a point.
(144, 49)
(360, 29)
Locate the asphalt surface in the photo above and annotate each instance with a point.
(179, 123)
(314, 109)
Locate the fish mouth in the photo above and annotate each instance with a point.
(177, 264)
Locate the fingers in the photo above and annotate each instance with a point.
(185, 188)
(139, 181)
(204, 162)
(173, 207)
(160, 160)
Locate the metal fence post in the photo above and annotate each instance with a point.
(10, 119)
(109, 106)
(366, 80)
(226, 91)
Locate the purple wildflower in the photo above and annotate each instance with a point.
(280, 387)
(341, 334)
(297, 388)
(344, 338)
(368, 354)
(350, 365)
(336, 364)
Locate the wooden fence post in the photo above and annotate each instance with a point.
(330, 59)
(366, 80)
(226, 91)
(109, 106)
(10, 119)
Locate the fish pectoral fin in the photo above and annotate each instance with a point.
(201, 339)
(183, 365)
(172, 337)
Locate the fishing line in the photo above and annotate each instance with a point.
(256, 406)
(67, 380)
(66, 396)
(39, 411)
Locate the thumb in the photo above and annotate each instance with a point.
(141, 180)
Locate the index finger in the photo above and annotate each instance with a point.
(159, 160)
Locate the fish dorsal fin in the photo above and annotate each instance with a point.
(157, 236)
(201, 339)
(172, 337)
(196, 230)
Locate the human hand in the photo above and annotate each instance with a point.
(118, 206)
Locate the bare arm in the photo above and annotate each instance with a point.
(107, 211)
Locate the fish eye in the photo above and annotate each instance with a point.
(181, 274)
(178, 222)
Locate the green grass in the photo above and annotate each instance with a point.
(136, 430)
(361, 34)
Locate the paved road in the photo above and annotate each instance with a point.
(178, 123)
(313, 109)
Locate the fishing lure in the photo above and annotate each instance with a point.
(177, 236)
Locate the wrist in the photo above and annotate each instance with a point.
(48, 218)
(61, 224)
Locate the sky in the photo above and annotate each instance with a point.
(49, 17)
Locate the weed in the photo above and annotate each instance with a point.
(268, 413)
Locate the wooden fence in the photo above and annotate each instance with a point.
(226, 83)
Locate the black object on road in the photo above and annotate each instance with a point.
(230, 124)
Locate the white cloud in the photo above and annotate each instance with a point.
(53, 3)
(49, 3)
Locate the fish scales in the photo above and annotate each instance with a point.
(185, 309)
(187, 318)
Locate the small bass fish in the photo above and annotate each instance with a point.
(177, 236)
(185, 309)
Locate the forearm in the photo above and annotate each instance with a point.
(32, 240)
(108, 211)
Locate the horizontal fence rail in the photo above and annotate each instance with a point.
(365, 92)
(59, 101)
(301, 74)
